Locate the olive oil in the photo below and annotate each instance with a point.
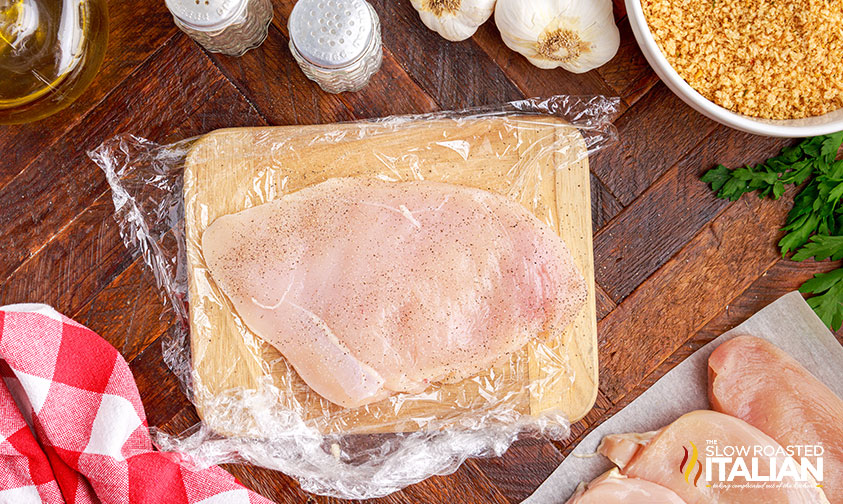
(50, 51)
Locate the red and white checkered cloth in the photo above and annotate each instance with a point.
(72, 427)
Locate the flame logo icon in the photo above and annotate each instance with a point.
(686, 467)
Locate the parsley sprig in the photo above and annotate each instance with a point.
(814, 226)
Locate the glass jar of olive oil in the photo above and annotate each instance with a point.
(50, 51)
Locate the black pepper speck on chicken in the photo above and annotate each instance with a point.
(370, 288)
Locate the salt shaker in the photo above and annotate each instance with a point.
(337, 43)
(230, 27)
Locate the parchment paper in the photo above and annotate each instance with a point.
(788, 322)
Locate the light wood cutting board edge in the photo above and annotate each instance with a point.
(573, 179)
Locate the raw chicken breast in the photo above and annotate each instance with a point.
(370, 288)
(666, 457)
(615, 488)
(754, 380)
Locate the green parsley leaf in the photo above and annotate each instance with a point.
(835, 170)
(799, 232)
(822, 282)
(778, 189)
(812, 147)
(717, 177)
(831, 144)
(799, 173)
(821, 247)
(835, 194)
(789, 155)
(828, 303)
(814, 226)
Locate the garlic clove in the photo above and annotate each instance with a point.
(577, 35)
(454, 20)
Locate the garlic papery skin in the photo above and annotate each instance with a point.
(577, 35)
(455, 20)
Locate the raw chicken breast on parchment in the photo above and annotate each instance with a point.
(370, 288)
(754, 380)
(615, 488)
(662, 457)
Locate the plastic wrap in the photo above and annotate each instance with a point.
(254, 406)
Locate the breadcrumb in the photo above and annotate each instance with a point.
(774, 59)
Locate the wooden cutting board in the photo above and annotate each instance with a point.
(229, 170)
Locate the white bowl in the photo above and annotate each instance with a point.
(809, 126)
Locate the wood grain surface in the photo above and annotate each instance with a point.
(675, 267)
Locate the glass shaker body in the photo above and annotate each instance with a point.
(337, 43)
(230, 27)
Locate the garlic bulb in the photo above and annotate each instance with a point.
(578, 35)
(454, 19)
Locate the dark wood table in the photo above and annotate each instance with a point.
(675, 267)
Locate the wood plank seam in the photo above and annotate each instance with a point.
(619, 21)
(700, 326)
(535, 457)
(438, 102)
(93, 107)
(521, 90)
(606, 294)
(702, 267)
(487, 481)
(52, 237)
(236, 84)
(494, 81)
(688, 154)
(344, 99)
(489, 40)
(240, 91)
(678, 251)
(632, 206)
(123, 258)
(605, 187)
(623, 400)
(387, 53)
(629, 107)
(70, 222)
(117, 277)
(691, 336)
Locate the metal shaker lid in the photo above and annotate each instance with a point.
(206, 15)
(331, 33)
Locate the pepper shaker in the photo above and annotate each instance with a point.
(337, 43)
(230, 27)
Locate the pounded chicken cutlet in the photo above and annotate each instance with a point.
(370, 288)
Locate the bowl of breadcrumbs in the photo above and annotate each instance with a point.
(770, 67)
